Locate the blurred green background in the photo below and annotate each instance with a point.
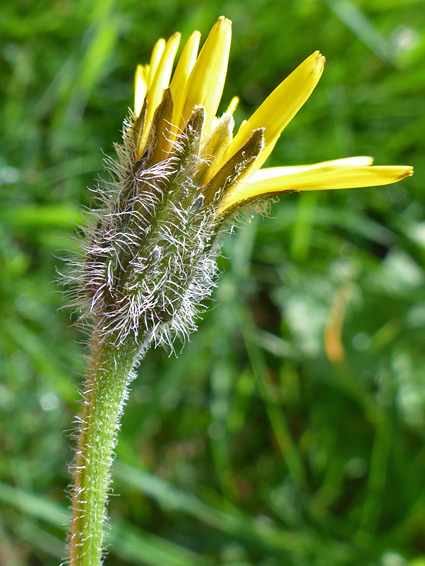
(290, 430)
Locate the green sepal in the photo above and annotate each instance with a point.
(139, 124)
(160, 129)
(234, 169)
(215, 146)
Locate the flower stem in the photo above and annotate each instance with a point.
(109, 374)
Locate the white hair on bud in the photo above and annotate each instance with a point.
(148, 251)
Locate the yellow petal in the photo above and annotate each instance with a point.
(315, 180)
(159, 83)
(178, 84)
(140, 88)
(233, 105)
(206, 81)
(281, 106)
(157, 52)
(270, 172)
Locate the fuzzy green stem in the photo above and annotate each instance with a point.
(109, 373)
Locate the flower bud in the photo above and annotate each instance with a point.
(177, 181)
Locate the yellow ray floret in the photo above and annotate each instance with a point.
(198, 81)
(181, 75)
(159, 82)
(314, 178)
(206, 81)
(323, 166)
(280, 106)
(157, 52)
(233, 105)
(140, 87)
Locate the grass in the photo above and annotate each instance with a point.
(290, 430)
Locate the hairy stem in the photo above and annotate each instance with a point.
(109, 373)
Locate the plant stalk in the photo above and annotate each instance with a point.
(105, 392)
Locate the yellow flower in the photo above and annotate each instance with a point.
(178, 177)
(198, 81)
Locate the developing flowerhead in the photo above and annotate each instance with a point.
(180, 176)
